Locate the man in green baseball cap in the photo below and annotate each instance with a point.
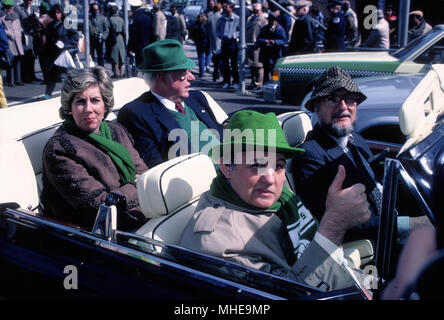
(249, 217)
(170, 119)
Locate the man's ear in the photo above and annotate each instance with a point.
(226, 169)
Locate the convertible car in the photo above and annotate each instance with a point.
(292, 75)
(41, 257)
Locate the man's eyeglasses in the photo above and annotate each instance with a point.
(349, 98)
(181, 74)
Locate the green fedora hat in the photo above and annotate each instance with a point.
(165, 55)
(257, 130)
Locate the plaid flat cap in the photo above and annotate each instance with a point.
(331, 80)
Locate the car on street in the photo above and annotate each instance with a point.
(293, 75)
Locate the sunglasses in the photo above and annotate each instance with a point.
(349, 98)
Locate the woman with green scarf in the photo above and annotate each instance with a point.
(87, 157)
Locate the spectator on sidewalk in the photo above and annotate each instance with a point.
(200, 36)
(271, 41)
(335, 34)
(215, 42)
(14, 31)
(140, 30)
(58, 39)
(379, 36)
(29, 23)
(176, 26)
(417, 25)
(352, 35)
(228, 32)
(159, 23)
(307, 36)
(98, 33)
(253, 28)
(4, 45)
(118, 50)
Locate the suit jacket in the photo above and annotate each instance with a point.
(149, 122)
(314, 171)
(253, 238)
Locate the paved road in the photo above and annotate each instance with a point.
(230, 100)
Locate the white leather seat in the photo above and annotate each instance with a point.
(295, 125)
(169, 192)
(420, 110)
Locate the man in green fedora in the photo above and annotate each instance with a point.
(249, 217)
(170, 119)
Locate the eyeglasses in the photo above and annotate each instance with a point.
(349, 98)
(180, 75)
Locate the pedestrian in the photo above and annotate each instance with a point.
(58, 38)
(352, 35)
(307, 35)
(98, 33)
(392, 19)
(44, 20)
(215, 42)
(379, 36)
(14, 31)
(417, 25)
(228, 32)
(159, 23)
(140, 30)
(176, 26)
(117, 38)
(4, 45)
(30, 25)
(271, 41)
(253, 28)
(169, 119)
(201, 38)
(335, 34)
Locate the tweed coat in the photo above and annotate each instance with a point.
(252, 238)
(14, 31)
(77, 176)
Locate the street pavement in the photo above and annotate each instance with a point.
(229, 99)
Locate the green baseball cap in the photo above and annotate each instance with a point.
(165, 55)
(251, 128)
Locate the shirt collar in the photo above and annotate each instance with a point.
(170, 105)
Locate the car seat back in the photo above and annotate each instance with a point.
(169, 192)
(295, 125)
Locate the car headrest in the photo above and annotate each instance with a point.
(296, 125)
(174, 183)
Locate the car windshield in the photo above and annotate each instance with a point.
(421, 42)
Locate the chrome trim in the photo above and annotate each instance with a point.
(318, 71)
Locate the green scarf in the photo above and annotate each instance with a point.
(298, 221)
(117, 152)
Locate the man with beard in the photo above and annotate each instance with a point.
(333, 142)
